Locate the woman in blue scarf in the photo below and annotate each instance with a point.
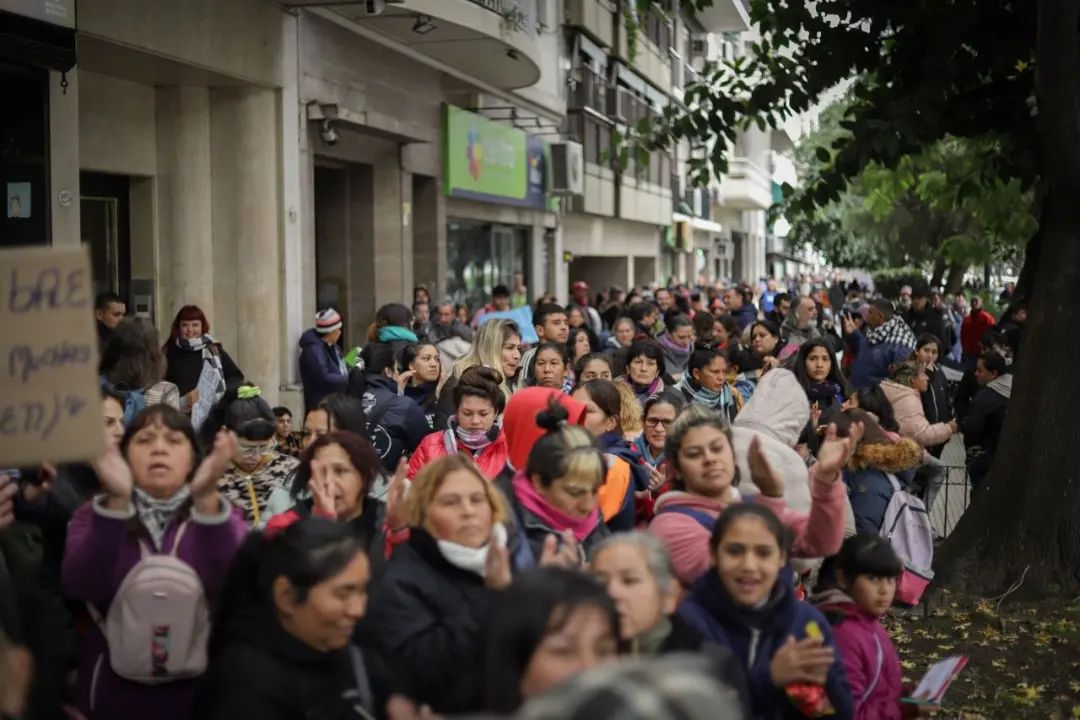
(705, 383)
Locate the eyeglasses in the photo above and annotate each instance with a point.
(253, 451)
(653, 422)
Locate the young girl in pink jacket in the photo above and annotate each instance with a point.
(864, 576)
(705, 476)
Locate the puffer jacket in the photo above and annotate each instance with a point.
(818, 533)
(491, 460)
(777, 412)
(908, 408)
(756, 635)
(867, 478)
(871, 662)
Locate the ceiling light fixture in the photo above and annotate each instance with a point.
(423, 25)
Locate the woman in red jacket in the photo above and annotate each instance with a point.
(478, 402)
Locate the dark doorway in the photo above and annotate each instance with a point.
(24, 156)
(105, 218)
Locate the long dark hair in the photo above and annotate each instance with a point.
(538, 602)
(834, 367)
(132, 359)
(306, 553)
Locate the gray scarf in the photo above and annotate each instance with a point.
(155, 515)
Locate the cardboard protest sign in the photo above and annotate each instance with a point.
(50, 406)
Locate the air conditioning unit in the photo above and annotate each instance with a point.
(567, 169)
(623, 105)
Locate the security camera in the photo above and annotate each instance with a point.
(328, 133)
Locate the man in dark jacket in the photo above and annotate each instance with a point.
(322, 368)
(739, 305)
(923, 318)
(109, 309)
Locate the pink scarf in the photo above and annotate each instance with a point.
(555, 519)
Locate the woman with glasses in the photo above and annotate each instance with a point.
(660, 413)
(257, 468)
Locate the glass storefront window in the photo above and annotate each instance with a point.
(481, 256)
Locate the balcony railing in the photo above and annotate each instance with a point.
(590, 91)
(517, 14)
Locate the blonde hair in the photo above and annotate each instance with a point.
(426, 484)
(487, 346)
(630, 412)
(565, 451)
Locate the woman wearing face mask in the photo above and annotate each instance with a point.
(474, 428)
(645, 369)
(550, 368)
(334, 481)
(497, 345)
(257, 468)
(287, 614)
(395, 425)
(819, 375)
(159, 497)
(190, 352)
(429, 604)
(677, 342)
(554, 496)
(936, 399)
(705, 383)
(704, 475)
(550, 625)
(637, 573)
(419, 372)
(625, 476)
(746, 603)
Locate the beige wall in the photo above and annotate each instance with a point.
(239, 38)
(609, 237)
(116, 125)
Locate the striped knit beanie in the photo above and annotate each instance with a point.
(327, 321)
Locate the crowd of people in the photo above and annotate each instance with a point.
(691, 484)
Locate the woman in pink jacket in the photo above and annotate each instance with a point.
(862, 585)
(478, 402)
(904, 390)
(705, 478)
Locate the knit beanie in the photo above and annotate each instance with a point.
(327, 321)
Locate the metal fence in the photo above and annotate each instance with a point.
(952, 500)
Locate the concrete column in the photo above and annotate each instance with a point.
(184, 207)
(429, 235)
(294, 172)
(391, 262)
(246, 224)
(64, 159)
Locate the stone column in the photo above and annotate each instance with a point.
(429, 235)
(247, 231)
(184, 207)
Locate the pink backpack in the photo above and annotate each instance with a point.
(158, 624)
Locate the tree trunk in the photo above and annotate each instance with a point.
(955, 278)
(1027, 518)
(939, 272)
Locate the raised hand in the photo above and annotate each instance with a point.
(204, 484)
(115, 478)
(835, 452)
(656, 479)
(567, 556)
(803, 661)
(497, 574)
(397, 515)
(403, 380)
(761, 472)
(322, 490)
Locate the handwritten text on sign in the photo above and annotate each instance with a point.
(50, 406)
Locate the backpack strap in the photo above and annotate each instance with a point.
(703, 518)
(179, 536)
(877, 669)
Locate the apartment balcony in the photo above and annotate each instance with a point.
(588, 91)
(747, 186)
(596, 17)
(724, 16)
(491, 40)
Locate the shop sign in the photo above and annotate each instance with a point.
(493, 162)
(57, 12)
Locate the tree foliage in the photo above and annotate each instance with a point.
(942, 207)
